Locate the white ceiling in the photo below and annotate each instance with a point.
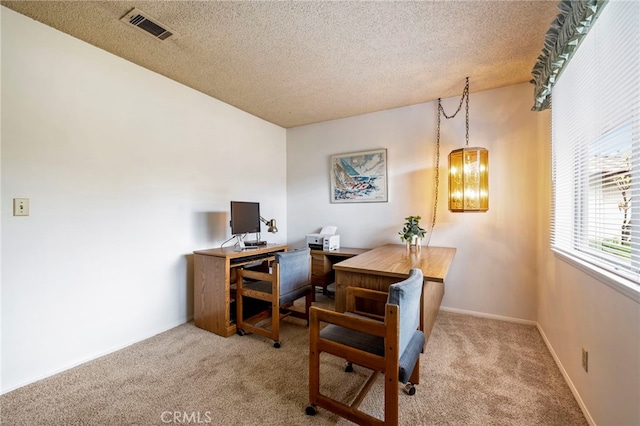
(300, 62)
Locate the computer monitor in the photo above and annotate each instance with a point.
(245, 217)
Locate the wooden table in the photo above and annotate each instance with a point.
(377, 269)
(214, 273)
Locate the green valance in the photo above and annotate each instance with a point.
(567, 31)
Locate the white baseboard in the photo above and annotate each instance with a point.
(98, 355)
(567, 379)
(489, 316)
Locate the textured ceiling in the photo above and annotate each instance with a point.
(302, 62)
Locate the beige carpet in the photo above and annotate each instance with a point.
(474, 372)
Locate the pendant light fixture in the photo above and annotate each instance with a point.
(468, 169)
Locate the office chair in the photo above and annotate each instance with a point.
(390, 344)
(288, 281)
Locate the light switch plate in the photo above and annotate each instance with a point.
(21, 207)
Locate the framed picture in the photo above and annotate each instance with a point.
(359, 177)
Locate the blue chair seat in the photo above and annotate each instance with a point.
(266, 287)
(375, 345)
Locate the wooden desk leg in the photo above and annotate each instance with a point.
(432, 295)
(340, 295)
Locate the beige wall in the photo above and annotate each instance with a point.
(494, 272)
(575, 311)
(504, 267)
(128, 172)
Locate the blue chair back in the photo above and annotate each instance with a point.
(406, 294)
(294, 269)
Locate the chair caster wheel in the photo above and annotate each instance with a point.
(410, 389)
(240, 332)
(276, 345)
(348, 368)
(311, 410)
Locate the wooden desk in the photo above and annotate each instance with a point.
(377, 269)
(322, 262)
(214, 271)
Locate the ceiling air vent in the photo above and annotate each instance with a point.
(148, 24)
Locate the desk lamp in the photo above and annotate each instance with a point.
(271, 224)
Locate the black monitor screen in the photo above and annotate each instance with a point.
(245, 217)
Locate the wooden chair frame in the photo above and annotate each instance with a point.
(387, 364)
(260, 322)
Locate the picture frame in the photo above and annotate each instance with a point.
(359, 177)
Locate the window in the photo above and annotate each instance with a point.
(596, 148)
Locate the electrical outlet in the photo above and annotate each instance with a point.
(585, 360)
(21, 207)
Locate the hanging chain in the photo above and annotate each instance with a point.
(465, 95)
(435, 198)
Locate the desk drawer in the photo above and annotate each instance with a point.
(321, 270)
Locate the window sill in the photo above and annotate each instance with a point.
(619, 284)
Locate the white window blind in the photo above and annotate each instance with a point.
(596, 146)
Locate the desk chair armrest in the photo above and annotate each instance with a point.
(366, 293)
(256, 275)
(359, 293)
(364, 325)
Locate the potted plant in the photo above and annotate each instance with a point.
(412, 232)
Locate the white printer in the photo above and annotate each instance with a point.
(326, 239)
